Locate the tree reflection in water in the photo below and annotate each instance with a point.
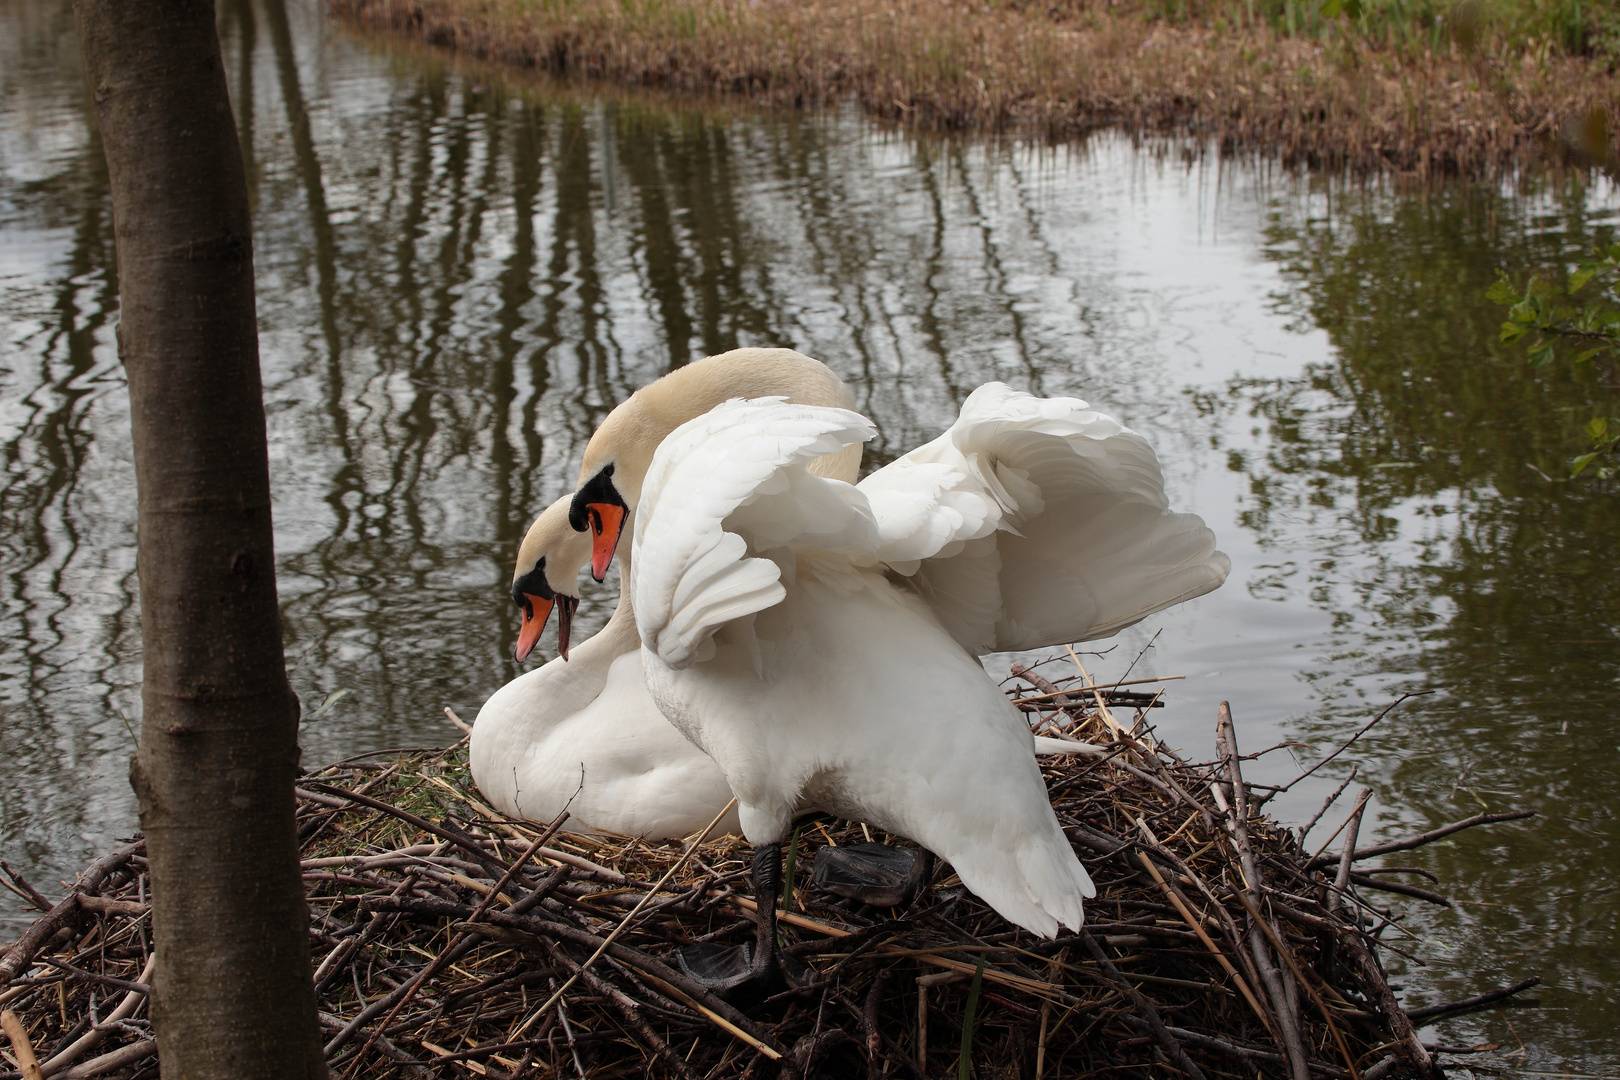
(1419, 458)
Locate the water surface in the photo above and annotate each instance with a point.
(460, 275)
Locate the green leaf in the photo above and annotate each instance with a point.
(1331, 8)
(1523, 312)
(1597, 428)
(1512, 331)
(1580, 463)
(1541, 354)
(1352, 9)
(1502, 292)
(1587, 354)
(1579, 278)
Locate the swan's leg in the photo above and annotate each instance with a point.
(767, 965)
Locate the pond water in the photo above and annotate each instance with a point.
(460, 274)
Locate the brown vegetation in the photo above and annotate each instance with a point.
(1217, 944)
(1345, 97)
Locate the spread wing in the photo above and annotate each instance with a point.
(1034, 521)
(723, 492)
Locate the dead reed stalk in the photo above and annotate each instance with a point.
(1340, 100)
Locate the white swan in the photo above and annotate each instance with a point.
(583, 732)
(773, 638)
(1030, 522)
(618, 454)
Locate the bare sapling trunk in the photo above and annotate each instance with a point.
(214, 773)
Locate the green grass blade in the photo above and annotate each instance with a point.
(964, 1067)
(787, 870)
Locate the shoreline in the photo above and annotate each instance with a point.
(1338, 101)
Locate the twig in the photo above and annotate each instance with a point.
(1352, 827)
(1359, 733)
(625, 922)
(1277, 985)
(1316, 999)
(25, 890)
(111, 1061)
(1148, 1013)
(1399, 888)
(462, 841)
(1428, 1011)
(1198, 928)
(869, 1024)
(443, 959)
(104, 980)
(93, 1037)
(1090, 688)
(632, 1015)
(649, 966)
(1432, 835)
(64, 913)
(1331, 799)
(1242, 1052)
(1143, 653)
(20, 1046)
(1407, 1046)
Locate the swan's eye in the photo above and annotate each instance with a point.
(531, 584)
(598, 489)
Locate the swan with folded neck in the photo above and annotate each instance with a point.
(583, 727)
(617, 456)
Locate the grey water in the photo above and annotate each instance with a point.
(461, 272)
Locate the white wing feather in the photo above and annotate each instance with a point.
(728, 482)
(1034, 521)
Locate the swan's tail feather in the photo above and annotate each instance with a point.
(1033, 881)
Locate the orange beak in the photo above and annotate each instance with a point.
(534, 621)
(607, 520)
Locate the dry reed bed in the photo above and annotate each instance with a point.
(1216, 946)
(1058, 72)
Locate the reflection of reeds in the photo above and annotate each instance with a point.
(443, 933)
(1372, 94)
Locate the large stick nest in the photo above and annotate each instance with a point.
(1216, 944)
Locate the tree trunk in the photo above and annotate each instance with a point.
(214, 773)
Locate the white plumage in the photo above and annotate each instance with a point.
(816, 638)
(772, 638)
(1038, 521)
(584, 733)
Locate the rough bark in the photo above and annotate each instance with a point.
(214, 772)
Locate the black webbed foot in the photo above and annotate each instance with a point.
(873, 874)
(740, 973)
(713, 966)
